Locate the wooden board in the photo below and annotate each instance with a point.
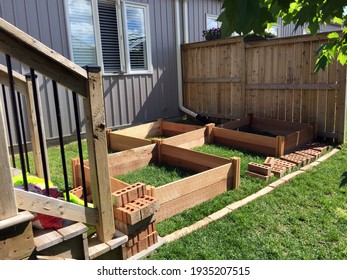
(176, 206)
(194, 183)
(189, 159)
(118, 142)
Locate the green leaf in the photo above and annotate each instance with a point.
(321, 63)
(342, 58)
(333, 35)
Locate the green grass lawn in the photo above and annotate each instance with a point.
(306, 219)
(155, 175)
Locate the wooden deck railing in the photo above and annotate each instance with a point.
(88, 84)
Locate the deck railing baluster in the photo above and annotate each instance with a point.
(8, 127)
(80, 150)
(16, 119)
(61, 140)
(19, 98)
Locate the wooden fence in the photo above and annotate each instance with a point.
(230, 78)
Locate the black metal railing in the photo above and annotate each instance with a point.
(21, 136)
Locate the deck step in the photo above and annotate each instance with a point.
(98, 248)
(70, 241)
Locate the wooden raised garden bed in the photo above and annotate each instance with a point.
(141, 135)
(213, 175)
(264, 136)
(259, 135)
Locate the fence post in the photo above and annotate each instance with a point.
(34, 132)
(97, 153)
(8, 206)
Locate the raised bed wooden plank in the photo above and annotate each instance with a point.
(189, 159)
(184, 202)
(171, 129)
(187, 140)
(141, 131)
(194, 183)
(118, 142)
(133, 159)
(115, 184)
(235, 124)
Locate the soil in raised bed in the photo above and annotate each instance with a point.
(155, 175)
(253, 131)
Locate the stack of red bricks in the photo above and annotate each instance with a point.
(278, 167)
(134, 210)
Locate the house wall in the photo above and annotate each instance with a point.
(129, 99)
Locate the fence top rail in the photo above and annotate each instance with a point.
(255, 44)
(20, 84)
(26, 49)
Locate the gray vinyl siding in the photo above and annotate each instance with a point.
(289, 30)
(45, 21)
(197, 10)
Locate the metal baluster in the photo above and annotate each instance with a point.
(23, 130)
(80, 151)
(8, 127)
(61, 140)
(16, 120)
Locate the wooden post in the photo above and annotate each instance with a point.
(97, 153)
(8, 206)
(209, 133)
(280, 146)
(236, 167)
(34, 132)
(341, 105)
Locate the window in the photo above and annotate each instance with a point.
(136, 37)
(122, 32)
(82, 32)
(212, 22)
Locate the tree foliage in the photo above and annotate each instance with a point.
(252, 16)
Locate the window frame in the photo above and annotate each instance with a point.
(212, 17)
(122, 33)
(145, 7)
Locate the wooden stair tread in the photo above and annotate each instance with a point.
(22, 217)
(72, 230)
(98, 248)
(46, 238)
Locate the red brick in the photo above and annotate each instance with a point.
(142, 245)
(256, 175)
(147, 206)
(127, 214)
(316, 154)
(152, 239)
(269, 161)
(296, 159)
(128, 194)
(309, 157)
(279, 172)
(283, 163)
(259, 168)
(77, 192)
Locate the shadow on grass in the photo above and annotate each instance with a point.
(344, 180)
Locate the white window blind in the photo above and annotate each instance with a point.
(82, 32)
(109, 36)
